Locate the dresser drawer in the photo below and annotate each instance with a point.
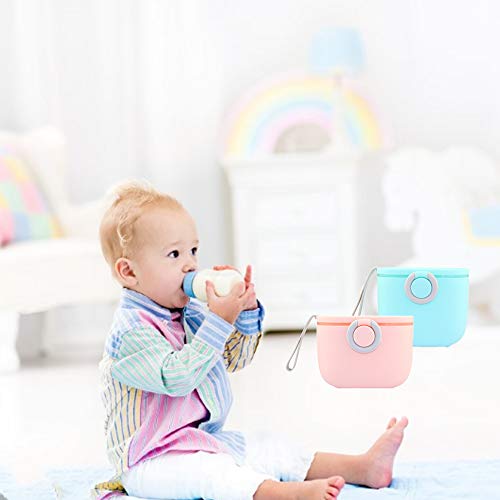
(297, 253)
(277, 210)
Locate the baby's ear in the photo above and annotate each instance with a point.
(125, 272)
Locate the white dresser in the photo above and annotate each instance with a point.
(294, 220)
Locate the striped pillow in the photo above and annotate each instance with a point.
(24, 212)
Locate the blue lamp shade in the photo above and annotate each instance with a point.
(337, 51)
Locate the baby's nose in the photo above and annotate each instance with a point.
(188, 267)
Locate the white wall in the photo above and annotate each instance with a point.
(6, 90)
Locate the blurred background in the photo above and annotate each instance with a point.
(158, 90)
(311, 139)
(155, 89)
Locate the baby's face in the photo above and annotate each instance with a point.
(168, 243)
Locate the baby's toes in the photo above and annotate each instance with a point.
(337, 482)
(331, 492)
(334, 485)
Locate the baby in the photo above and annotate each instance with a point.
(164, 377)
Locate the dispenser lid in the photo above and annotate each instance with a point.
(438, 272)
(381, 320)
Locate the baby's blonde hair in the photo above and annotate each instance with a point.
(129, 200)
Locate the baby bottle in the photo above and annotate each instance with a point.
(223, 280)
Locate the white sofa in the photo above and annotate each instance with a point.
(41, 274)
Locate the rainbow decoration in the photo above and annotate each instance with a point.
(272, 107)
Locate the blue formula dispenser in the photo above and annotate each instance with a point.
(437, 298)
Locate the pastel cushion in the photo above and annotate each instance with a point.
(24, 212)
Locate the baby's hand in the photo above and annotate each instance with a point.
(252, 304)
(230, 306)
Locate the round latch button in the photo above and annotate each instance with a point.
(421, 288)
(364, 336)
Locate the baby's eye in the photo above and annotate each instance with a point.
(173, 254)
(194, 250)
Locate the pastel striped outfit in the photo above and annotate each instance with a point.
(164, 381)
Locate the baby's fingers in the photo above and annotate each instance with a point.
(238, 290)
(210, 290)
(248, 274)
(250, 296)
(222, 268)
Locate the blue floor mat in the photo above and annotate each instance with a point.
(462, 480)
(10, 490)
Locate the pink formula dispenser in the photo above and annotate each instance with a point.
(361, 351)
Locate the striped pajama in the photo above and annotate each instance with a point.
(164, 381)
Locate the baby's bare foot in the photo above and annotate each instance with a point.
(317, 489)
(321, 489)
(380, 457)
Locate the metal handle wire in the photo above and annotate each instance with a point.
(295, 352)
(361, 299)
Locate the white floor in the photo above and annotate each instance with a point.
(51, 413)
